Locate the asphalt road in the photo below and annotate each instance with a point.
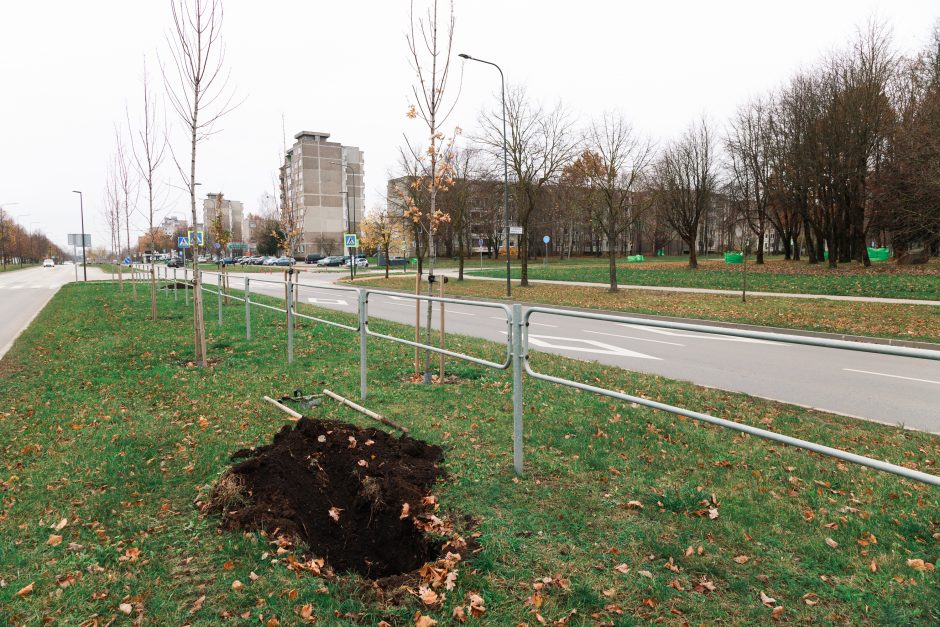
(23, 294)
(893, 390)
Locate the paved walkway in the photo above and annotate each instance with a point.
(701, 290)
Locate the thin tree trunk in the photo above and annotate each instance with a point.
(612, 259)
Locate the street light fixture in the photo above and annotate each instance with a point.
(502, 79)
(81, 208)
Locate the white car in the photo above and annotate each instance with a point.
(48, 263)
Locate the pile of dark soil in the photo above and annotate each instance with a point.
(358, 497)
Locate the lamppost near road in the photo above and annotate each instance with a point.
(81, 209)
(502, 79)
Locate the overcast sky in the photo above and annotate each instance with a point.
(70, 68)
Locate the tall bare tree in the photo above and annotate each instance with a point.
(614, 166)
(148, 146)
(748, 148)
(127, 189)
(198, 90)
(540, 143)
(685, 180)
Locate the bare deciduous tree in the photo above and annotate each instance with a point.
(747, 146)
(199, 93)
(148, 146)
(540, 143)
(685, 181)
(614, 165)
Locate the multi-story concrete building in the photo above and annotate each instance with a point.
(172, 225)
(232, 213)
(322, 191)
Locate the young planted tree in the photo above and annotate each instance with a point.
(127, 200)
(198, 91)
(685, 180)
(381, 230)
(148, 147)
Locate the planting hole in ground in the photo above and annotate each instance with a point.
(358, 497)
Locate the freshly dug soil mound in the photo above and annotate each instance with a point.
(356, 496)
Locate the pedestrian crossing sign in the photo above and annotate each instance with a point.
(182, 241)
(350, 240)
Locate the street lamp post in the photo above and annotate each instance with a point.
(502, 79)
(81, 209)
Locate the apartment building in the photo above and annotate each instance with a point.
(232, 214)
(322, 188)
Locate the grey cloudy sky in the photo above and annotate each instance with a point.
(69, 69)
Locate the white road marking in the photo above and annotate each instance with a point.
(400, 298)
(597, 348)
(327, 301)
(893, 376)
(639, 339)
(459, 313)
(497, 318)
(699, 336)
(542, 324)
(409, 306)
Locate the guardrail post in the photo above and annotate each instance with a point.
(186, 289)
(290, 326)
(247, 311)
(363, 321)
(219, 297)
(175, 284)
(517, 388)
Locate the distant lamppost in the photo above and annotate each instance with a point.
(502, 79)
(81, 209)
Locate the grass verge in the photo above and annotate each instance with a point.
(886, 280)
(628, 514)
(907, 322)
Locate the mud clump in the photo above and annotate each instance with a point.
(357, 497)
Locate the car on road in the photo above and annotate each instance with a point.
(269, 261)
(283, 261)
(332, 261)
(313, 258)
(48, 263)
(176, 262)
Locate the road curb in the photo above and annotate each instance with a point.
(887, 341)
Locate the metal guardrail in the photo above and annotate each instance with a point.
(721, 422)
(517, 356)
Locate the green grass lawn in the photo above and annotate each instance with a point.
(882, 279)
(909, 322)
(108, 435)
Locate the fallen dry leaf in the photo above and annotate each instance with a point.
(919, 564)
(810, 598)
(832, 543)
(766, 600)
(26, 590)
(237, 585)
(60, 525)
(424, 621)
(634, 505)
(622, 568)
(646, 573)
(405, 511)
(125, 608)
(197, 605)
(54, 540)
(459, 615)
(742, 559)
(873, 566)
(334, 513)
(777, 612)
(130, 555)
(477, 607)
(428, 596)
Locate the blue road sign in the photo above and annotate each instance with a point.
(127, 261)
(182, 242)
(546, 239)
(350, 240)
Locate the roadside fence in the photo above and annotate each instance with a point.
(517, 323)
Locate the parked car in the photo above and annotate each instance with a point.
(176, 262)
(227, 261)
(269, 261)
(257, 260)
(283, 261)
(359, 260)
(48, 263)
(203, 258)
(313, 258)
(331, 261)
